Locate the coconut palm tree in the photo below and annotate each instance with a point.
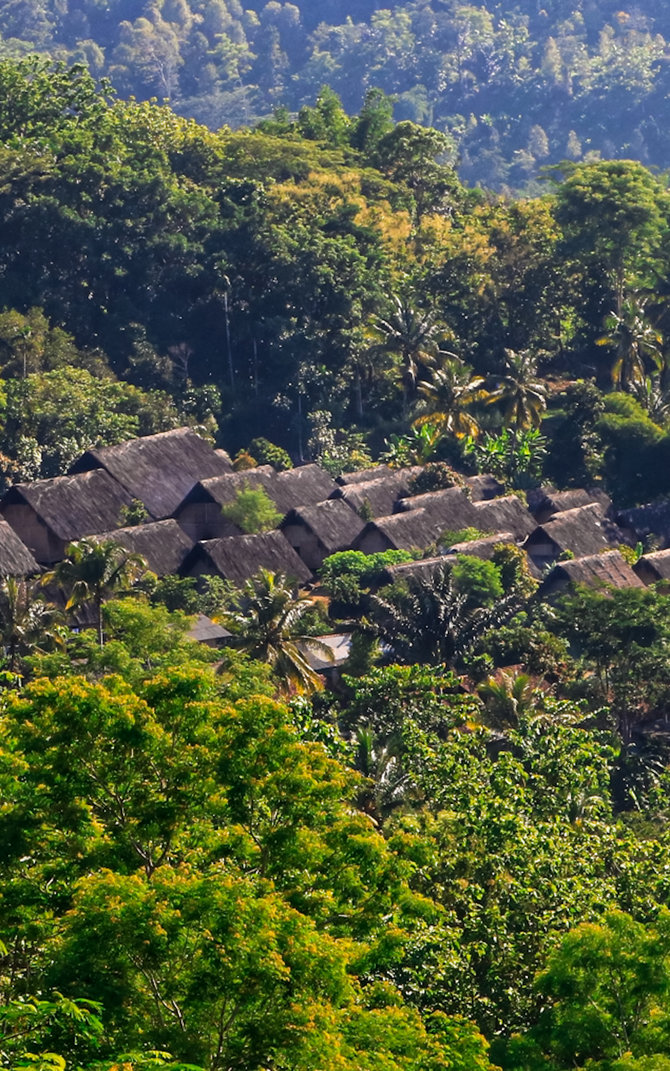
(506, 700)
(267, 618)
(653, 394)
(28, 624)
(446, 397)
(634, 341)
(412, 337)
(92, 572)
(520, 394)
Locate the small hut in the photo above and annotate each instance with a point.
(302, 486)
(49, 514)
(315, 532)
(506, 514)
(648, 522)
(377, 498)
(424, 569)
(414, 529)
(162, 544)
(600, 571)
(15, 558)
(209, 633)
(582, 531)
(451, 509)
(546, 502)
(654, 568)
(159, 470)
(238, 558)
(199, 513)
(482, 548)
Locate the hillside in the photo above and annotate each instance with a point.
(516, 86)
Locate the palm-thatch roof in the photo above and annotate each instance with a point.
(449, 509)
(484, 487)
(238, 558)
(482, 548)
(582, 531)
(15, 558)
(302, 486)
(423, 569)
(333, 523)
(654, 567)
(607, 570)
(162, 544)
(506, 514)
(222, 490)
(378, 497)
(545, 502)
(416, 528)
(159, 470)
(72, 506)
(377, 472)
(651, 520)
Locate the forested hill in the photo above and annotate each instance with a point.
(515, 85)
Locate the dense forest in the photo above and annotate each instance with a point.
(458, 860)
(513, 86)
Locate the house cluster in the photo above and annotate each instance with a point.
(180, 484)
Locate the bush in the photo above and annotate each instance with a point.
(477, 579)
(253, 511)
(266, 453)
(435, 476)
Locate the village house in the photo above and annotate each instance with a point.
(545, 501)
(649, 523)
(316, 532)
(581, 532)
(376, 498)
(304, 485)
(414, 529)
(200, 515)
(158, 470)
(483, 487)
(15, 558)
(654, 568)
(423, 569)
(506, 514)
(449, 510)
(377, 472)
(162, 544)
(238, 558)
(600, 571)
(481, 548)
(49, 514)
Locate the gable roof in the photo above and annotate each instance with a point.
(223, 489)
(379, 496)
(656, 564)
(362, 475)
(652, 519)
(484, 487)
(506, 514)
(594, 571)
(159, 469)
(545, 502)
(302, 486)
(333, 522)
(584, 530)
(163, 544)
(403, 531)
(238, 558)
(481, 548)
(15, 558)
(450, 509)
(422, 569)
(73, 506)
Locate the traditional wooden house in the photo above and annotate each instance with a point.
(481, 548)
(199, 513)
(238, 558)
(506, 514)
(49, 514)
(15, 558)
(450, 510)
(414, 529)
(377, 472)
(162, 544)
(376, 498)
(654, 568)
(545, 502)
(317, 531)
(582, 532)
(649, 523)
(423, 569)
(158, 470)
(600, 571)
(209, 633)
(302, 486)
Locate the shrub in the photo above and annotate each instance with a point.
(253, 511)
(266, 453)
(479, 580)
(435, 476)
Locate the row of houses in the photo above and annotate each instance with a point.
(180, 485)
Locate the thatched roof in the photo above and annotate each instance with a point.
(237, 558)
(222, 490)
(73, 506)
(379, 496)
(15, 558)
(302, 486)
(653, 567)
(506, 514)
(333, 523)
(450, 509)
(484, 487)
(608, 570)
(204, 630)
(545, 502)
(402, 531)
(163, 544)
(482, 548)
(584, 531)
(160, 469)
(425, 568)
(652, 519)
(362, 475)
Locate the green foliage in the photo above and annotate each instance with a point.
(513, 456)
(252, 510)
(266, 453)
(480, 581)
(435, 476)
